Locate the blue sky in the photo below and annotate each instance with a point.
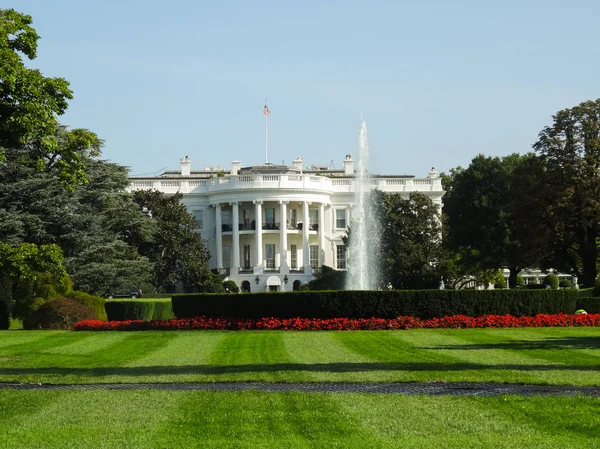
(436, 81)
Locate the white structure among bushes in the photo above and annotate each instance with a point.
(273, 226)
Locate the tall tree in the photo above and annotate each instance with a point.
(484, 224)
(23, 263)
(30, 104)
(177, 250)
(93, 224)
(570, 151)
(410, 240)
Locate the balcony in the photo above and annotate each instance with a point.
(271, 226)
(310, 182)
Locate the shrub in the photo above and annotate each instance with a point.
(58, 313)
(551, 280)
(230, 286)
(96, 303)
(329, 279)
(380, 304)
(520, 281)
(145, 310)
(565, 283)
(499, 281)
(596, 290)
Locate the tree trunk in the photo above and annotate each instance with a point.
(512, 276)
(5, 301)
(588, 253)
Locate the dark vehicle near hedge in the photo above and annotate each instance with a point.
(130, 293)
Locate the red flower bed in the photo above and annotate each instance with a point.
(314, 324)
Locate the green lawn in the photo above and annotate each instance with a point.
(181, 419)
(542, 356)
(163, 419)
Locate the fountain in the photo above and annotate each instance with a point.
(364, 242)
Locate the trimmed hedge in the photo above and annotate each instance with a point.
(145, 310)
(96, 303)
(589, 304)
(381, 304)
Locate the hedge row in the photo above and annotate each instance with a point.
(589, 304)
(145, 310)
(382, 304)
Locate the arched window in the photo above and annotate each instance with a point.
(297, 285)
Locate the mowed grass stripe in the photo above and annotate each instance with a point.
(567, 346)
(554, 417)
(187, 348)
(273, 420)
(546, 355)
(161, 419)
(254, 355)
(91, 419)
(38, 342)
(102, 363)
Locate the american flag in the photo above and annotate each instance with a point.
(266, 110)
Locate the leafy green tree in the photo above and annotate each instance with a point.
(93, 224)
(329, 279)
(570, 152)
(484, 224)
(30, 104)
(177, 249)
(25, 263)
(410, 228)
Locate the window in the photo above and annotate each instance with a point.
(294, 257)
(270, 255)
(341, 257)
(199, 216)
(313, 217)
(270, 217)
(314, 256)
(246, 217)
(246, 257)
(226, 217)
(226, 256)
(340, 218)
(293, 218)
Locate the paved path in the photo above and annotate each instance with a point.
(417, 388)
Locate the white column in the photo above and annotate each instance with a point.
(235, 268)
(258, 241)
(305, 246)
(283, 264)
(219, 229)
(321, 234)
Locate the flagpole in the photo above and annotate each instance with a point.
(266, 114)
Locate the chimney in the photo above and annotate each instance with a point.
(298, 163)
(235, 167)
(186, 166)
(348, 165)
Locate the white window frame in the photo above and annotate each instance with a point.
(270, 261)
(198, 215)
(313, 250)
(336, 218)
(341, 256)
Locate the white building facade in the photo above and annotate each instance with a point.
(272, 227)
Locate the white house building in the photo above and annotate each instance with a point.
(272, 227)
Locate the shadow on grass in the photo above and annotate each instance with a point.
(547, 343)
(285, 367)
